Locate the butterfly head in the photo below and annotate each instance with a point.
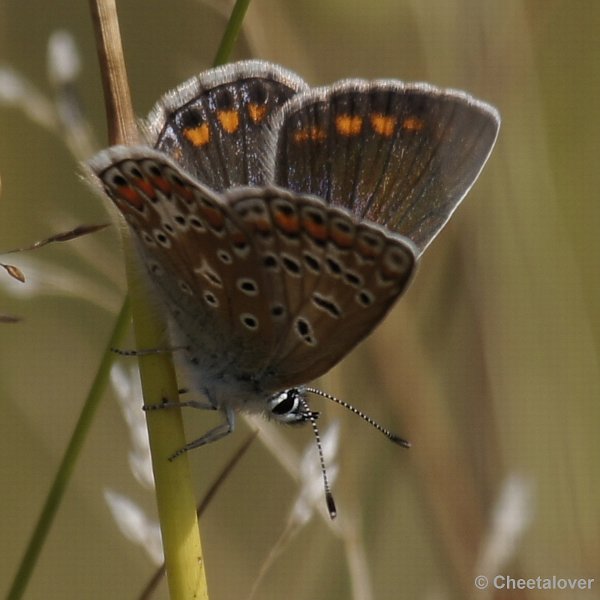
(290, 407)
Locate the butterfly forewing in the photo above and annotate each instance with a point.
(214, 125)
(399, 155)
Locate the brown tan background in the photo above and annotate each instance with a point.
(489, 364)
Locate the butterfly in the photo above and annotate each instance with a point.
(279, 223)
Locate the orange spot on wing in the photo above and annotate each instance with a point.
(238, 238)
(198, 136)
(229, 119)
(257, 222)
(316, 231)
(413, 123)
(213, 217)
(262, 225)
(309, 134)
(146, 187)
(287, 223)
(130, 195)
(348, 124)
(341, 239)
(185, 192)
(162, 184)
(384, 125)
(389, 275)
(367, 250)
(257, 112)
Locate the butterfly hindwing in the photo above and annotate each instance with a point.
(332, 279)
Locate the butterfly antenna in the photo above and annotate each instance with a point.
(312, 417)
(388, 434)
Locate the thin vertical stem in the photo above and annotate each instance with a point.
(234, 25)
(174, 493)
(67, 464)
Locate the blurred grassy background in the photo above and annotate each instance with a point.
(489, 364)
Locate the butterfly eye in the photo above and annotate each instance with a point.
(287, 407)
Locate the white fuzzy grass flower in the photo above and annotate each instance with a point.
(135, 525)
(127, 387)
(511, 517)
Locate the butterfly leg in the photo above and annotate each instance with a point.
(147, 351)
(210, 436)
(177, 404)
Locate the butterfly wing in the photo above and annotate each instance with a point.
(213, 125)
(198, 253)
(335, 278)
(401, 155)
(268, 286)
